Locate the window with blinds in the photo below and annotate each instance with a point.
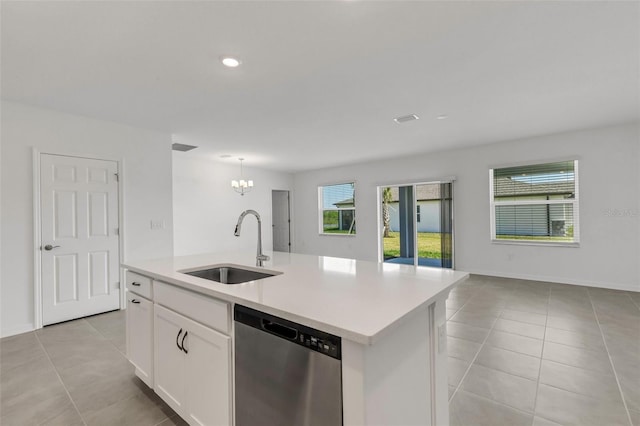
(535, 203)
(337, 209)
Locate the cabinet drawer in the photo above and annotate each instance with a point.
(206, 310)
(139, 284)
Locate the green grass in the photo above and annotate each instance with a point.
(330, 218)
(428, 245)
(331, 225)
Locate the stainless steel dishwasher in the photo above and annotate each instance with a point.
(286, 374)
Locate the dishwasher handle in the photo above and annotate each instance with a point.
(279, 329)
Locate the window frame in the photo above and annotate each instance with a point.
(321, 209)
(574, 202)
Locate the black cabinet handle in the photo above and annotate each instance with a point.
(136, 284)
(135, 301)
(182, 343)
(178, 338)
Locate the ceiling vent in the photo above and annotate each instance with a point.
(406, 118)
(182, 147)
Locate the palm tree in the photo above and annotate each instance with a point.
(386, 217)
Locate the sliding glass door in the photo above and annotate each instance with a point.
(417, 224)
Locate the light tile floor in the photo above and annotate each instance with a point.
(76, 373)
(520, 352)
(535, 353)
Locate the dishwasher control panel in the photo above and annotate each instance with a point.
(318, 344)
(315, 340)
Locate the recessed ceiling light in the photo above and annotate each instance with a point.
(225, 156)
(406, 118)
(442, 117)
(230, 62)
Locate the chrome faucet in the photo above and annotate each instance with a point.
(260, 258)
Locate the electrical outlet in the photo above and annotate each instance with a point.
(157, 224)
(442, 338)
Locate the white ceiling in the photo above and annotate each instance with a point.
(321, 81)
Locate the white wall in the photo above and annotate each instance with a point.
(609, 182)
(147, 192)
(206, 208)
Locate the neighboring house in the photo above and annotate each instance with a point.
(554, 220)
(346, 215)
(545, 219)
(427, 208)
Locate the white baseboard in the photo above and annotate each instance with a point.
(550, 279)
(18, 329)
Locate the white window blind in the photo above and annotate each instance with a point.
(337, 209)
(535, 203)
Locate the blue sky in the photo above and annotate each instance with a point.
(333, 193)
(546, 178)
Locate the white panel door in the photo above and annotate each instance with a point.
(79, 237)
(281, 220)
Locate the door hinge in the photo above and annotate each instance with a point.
(117, 177)
(118, 285)
(117, 231)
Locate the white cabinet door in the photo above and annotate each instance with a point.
(139, 336)
(208, 374)
(169, 364)
(192, 368)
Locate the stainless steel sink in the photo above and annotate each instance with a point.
(228, 274)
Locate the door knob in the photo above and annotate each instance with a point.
(50, 247)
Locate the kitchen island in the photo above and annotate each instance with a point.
(390, 317)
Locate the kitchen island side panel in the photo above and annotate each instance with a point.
(402, 379)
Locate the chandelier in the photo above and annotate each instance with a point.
(241, 185)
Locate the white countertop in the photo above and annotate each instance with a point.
(353, 299)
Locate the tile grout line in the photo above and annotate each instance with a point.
(633, 301)
(520, 334)
(517, 375)
(126, 358)
(105, 337)
(502, 404)
(544, 339)
(469, 367)
(571, 392)
(507, 350)
(168, 418)
(502, 371)
(476, 355)
(60, 378)
(615, 374)
(549, 360)
(572, 365)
